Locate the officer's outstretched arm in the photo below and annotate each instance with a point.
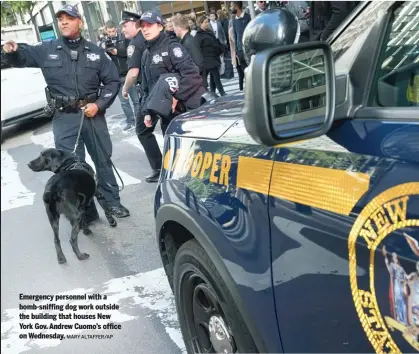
(190, 78)
(30, 57)
(110, 79)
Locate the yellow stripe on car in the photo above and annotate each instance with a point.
(329, 189)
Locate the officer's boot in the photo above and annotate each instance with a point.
(153, 177)
(90, 213)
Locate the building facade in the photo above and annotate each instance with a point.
(96, 13)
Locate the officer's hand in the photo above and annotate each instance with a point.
(124, 93)
(147, 121)
(90, 110)
(10, 47)
(174, 103)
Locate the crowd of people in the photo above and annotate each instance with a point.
(162, 65)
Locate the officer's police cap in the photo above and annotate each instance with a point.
(151, 17)
(129, 16)
(69, 10)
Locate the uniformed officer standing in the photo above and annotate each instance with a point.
(74, 69)
(163, 55)
(132, 31)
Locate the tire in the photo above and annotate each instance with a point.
(198, 285)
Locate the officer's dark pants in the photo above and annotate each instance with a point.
(65, 127)
(160, 101)
(148, 140)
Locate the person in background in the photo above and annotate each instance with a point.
(302, 11)
(232, 44)
(116, 46)
(168, 27)
(240, 20)
(217, 28)
(211, 51)
(260, 6)
(326, 16)
(181, 28)
(192, 25)
(135, 50)
(229, 72)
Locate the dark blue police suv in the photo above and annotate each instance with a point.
(288, 218)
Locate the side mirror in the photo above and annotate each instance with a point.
(290, 93)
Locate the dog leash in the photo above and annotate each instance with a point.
(78, 134)
(97, 143)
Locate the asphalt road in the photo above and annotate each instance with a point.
(124, 263)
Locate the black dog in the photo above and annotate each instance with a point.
(68, 192)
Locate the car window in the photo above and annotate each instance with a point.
(397, 77)
(362, 23)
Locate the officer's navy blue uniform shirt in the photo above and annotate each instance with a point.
(93, 67)
(135, 51)
(153, 65)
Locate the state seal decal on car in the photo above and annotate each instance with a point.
(387, 303)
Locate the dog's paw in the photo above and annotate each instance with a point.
(113, 223)
(111, 220)
(84, 256)
(62, 260)
(87, 231)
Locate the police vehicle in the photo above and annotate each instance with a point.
(288, 218)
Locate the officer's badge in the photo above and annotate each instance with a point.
(385, 240)
(130, 51)
(178, 52)
(157, 59)
(92, 56)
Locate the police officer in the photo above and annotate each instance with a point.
(74, 69)
(132, 31)
(164, 55)
(116, 46)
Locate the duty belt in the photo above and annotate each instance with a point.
(70, 103)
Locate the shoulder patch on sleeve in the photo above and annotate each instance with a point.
(178, 52)
(130, 51)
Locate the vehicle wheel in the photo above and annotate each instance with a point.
(209, 318)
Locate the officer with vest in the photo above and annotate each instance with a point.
(74, 69)
(164, 55)
(136, 47)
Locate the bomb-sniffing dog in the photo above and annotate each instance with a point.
(68, 192)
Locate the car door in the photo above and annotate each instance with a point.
(344, 208)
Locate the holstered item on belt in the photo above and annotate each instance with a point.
(71, 104)
(50, 108)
